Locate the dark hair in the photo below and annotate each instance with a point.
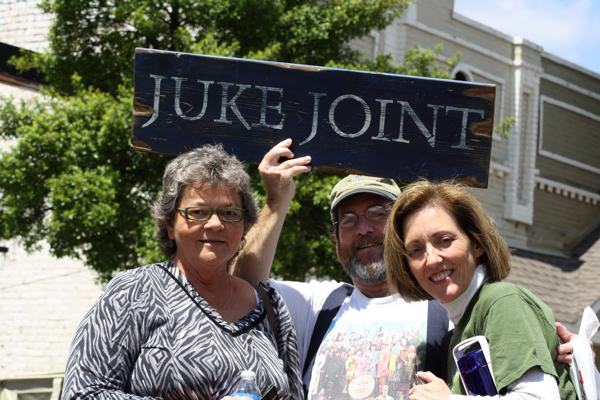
(208, 165)
(471, 218)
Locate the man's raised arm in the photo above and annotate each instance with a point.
(256, 257)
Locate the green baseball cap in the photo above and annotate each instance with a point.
(354, 184)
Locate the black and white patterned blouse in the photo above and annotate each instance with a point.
(151, 334)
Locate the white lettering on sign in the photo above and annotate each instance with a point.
(263, 107)
(178, 110)
(366, 109)
(270, 108)
(315, 119)
(157, 80)
(430, 136)
(463, 129)
(231, 103)
(381, 132)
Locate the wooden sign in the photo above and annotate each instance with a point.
(396, 126)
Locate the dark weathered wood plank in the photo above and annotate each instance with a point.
(397, 126)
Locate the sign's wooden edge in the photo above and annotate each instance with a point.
(304, 67)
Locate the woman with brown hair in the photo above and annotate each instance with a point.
(440, 243)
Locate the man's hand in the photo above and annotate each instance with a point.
(278, 175)
(565, 350)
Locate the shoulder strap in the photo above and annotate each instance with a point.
(438, 339)
(268, 305)
(329, 310)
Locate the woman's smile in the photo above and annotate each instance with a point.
(440, 276)
(440, 255)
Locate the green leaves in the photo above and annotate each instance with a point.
(83, 207)
(71, 179)
(417, 62)
(306, 248)
(10, 118)
(97, 39)
(318, 32)
(503, 128)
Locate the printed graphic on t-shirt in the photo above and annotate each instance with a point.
(372, 360)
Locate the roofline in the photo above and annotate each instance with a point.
(482, 27)
(570, 64)
(586, 242)
(516, 40)
(6, 52)
(566, 264)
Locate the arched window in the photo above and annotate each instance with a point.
(461, 76)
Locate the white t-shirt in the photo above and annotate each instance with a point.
(304, 301)
(371, 343)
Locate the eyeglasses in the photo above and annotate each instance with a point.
(203, 213)
(375, 213)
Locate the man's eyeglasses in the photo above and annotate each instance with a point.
(375, 213)
(203, 213)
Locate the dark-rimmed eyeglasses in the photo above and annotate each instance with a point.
(376, 213)
(203, 213)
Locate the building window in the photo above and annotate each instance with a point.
(461, 76)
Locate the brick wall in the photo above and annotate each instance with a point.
(23, 24)
(42, 300)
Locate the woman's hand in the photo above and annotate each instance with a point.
(434, 388)
(277, 175)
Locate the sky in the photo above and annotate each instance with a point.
(569, 29)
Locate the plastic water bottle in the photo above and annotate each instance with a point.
(247, 386)
(476, 374)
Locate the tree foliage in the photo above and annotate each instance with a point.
(70, 178)
(96, 40)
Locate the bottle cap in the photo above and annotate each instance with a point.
(248, 374)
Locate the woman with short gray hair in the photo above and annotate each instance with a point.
(211, 166)
(185, 328)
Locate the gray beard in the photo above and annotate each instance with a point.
(373, 272)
